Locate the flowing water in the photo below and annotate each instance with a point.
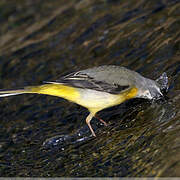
(47, 136)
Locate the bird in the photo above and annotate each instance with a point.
(98, 88)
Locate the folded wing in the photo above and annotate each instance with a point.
(82, 80)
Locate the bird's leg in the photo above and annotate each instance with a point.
(88, 119)
(101, 120)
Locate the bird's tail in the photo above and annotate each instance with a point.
(41, 89)
(12, 92)
(59, 90)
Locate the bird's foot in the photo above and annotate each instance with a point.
(101, 120)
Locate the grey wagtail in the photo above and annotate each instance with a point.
(97, 88)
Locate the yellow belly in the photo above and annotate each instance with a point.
(96, 100)
(93, 100)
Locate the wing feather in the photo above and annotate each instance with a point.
(83, 80)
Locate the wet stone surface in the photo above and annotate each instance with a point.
(44, 136)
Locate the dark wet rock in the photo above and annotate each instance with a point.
(43, 136)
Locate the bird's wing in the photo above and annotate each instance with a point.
(83, 80)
